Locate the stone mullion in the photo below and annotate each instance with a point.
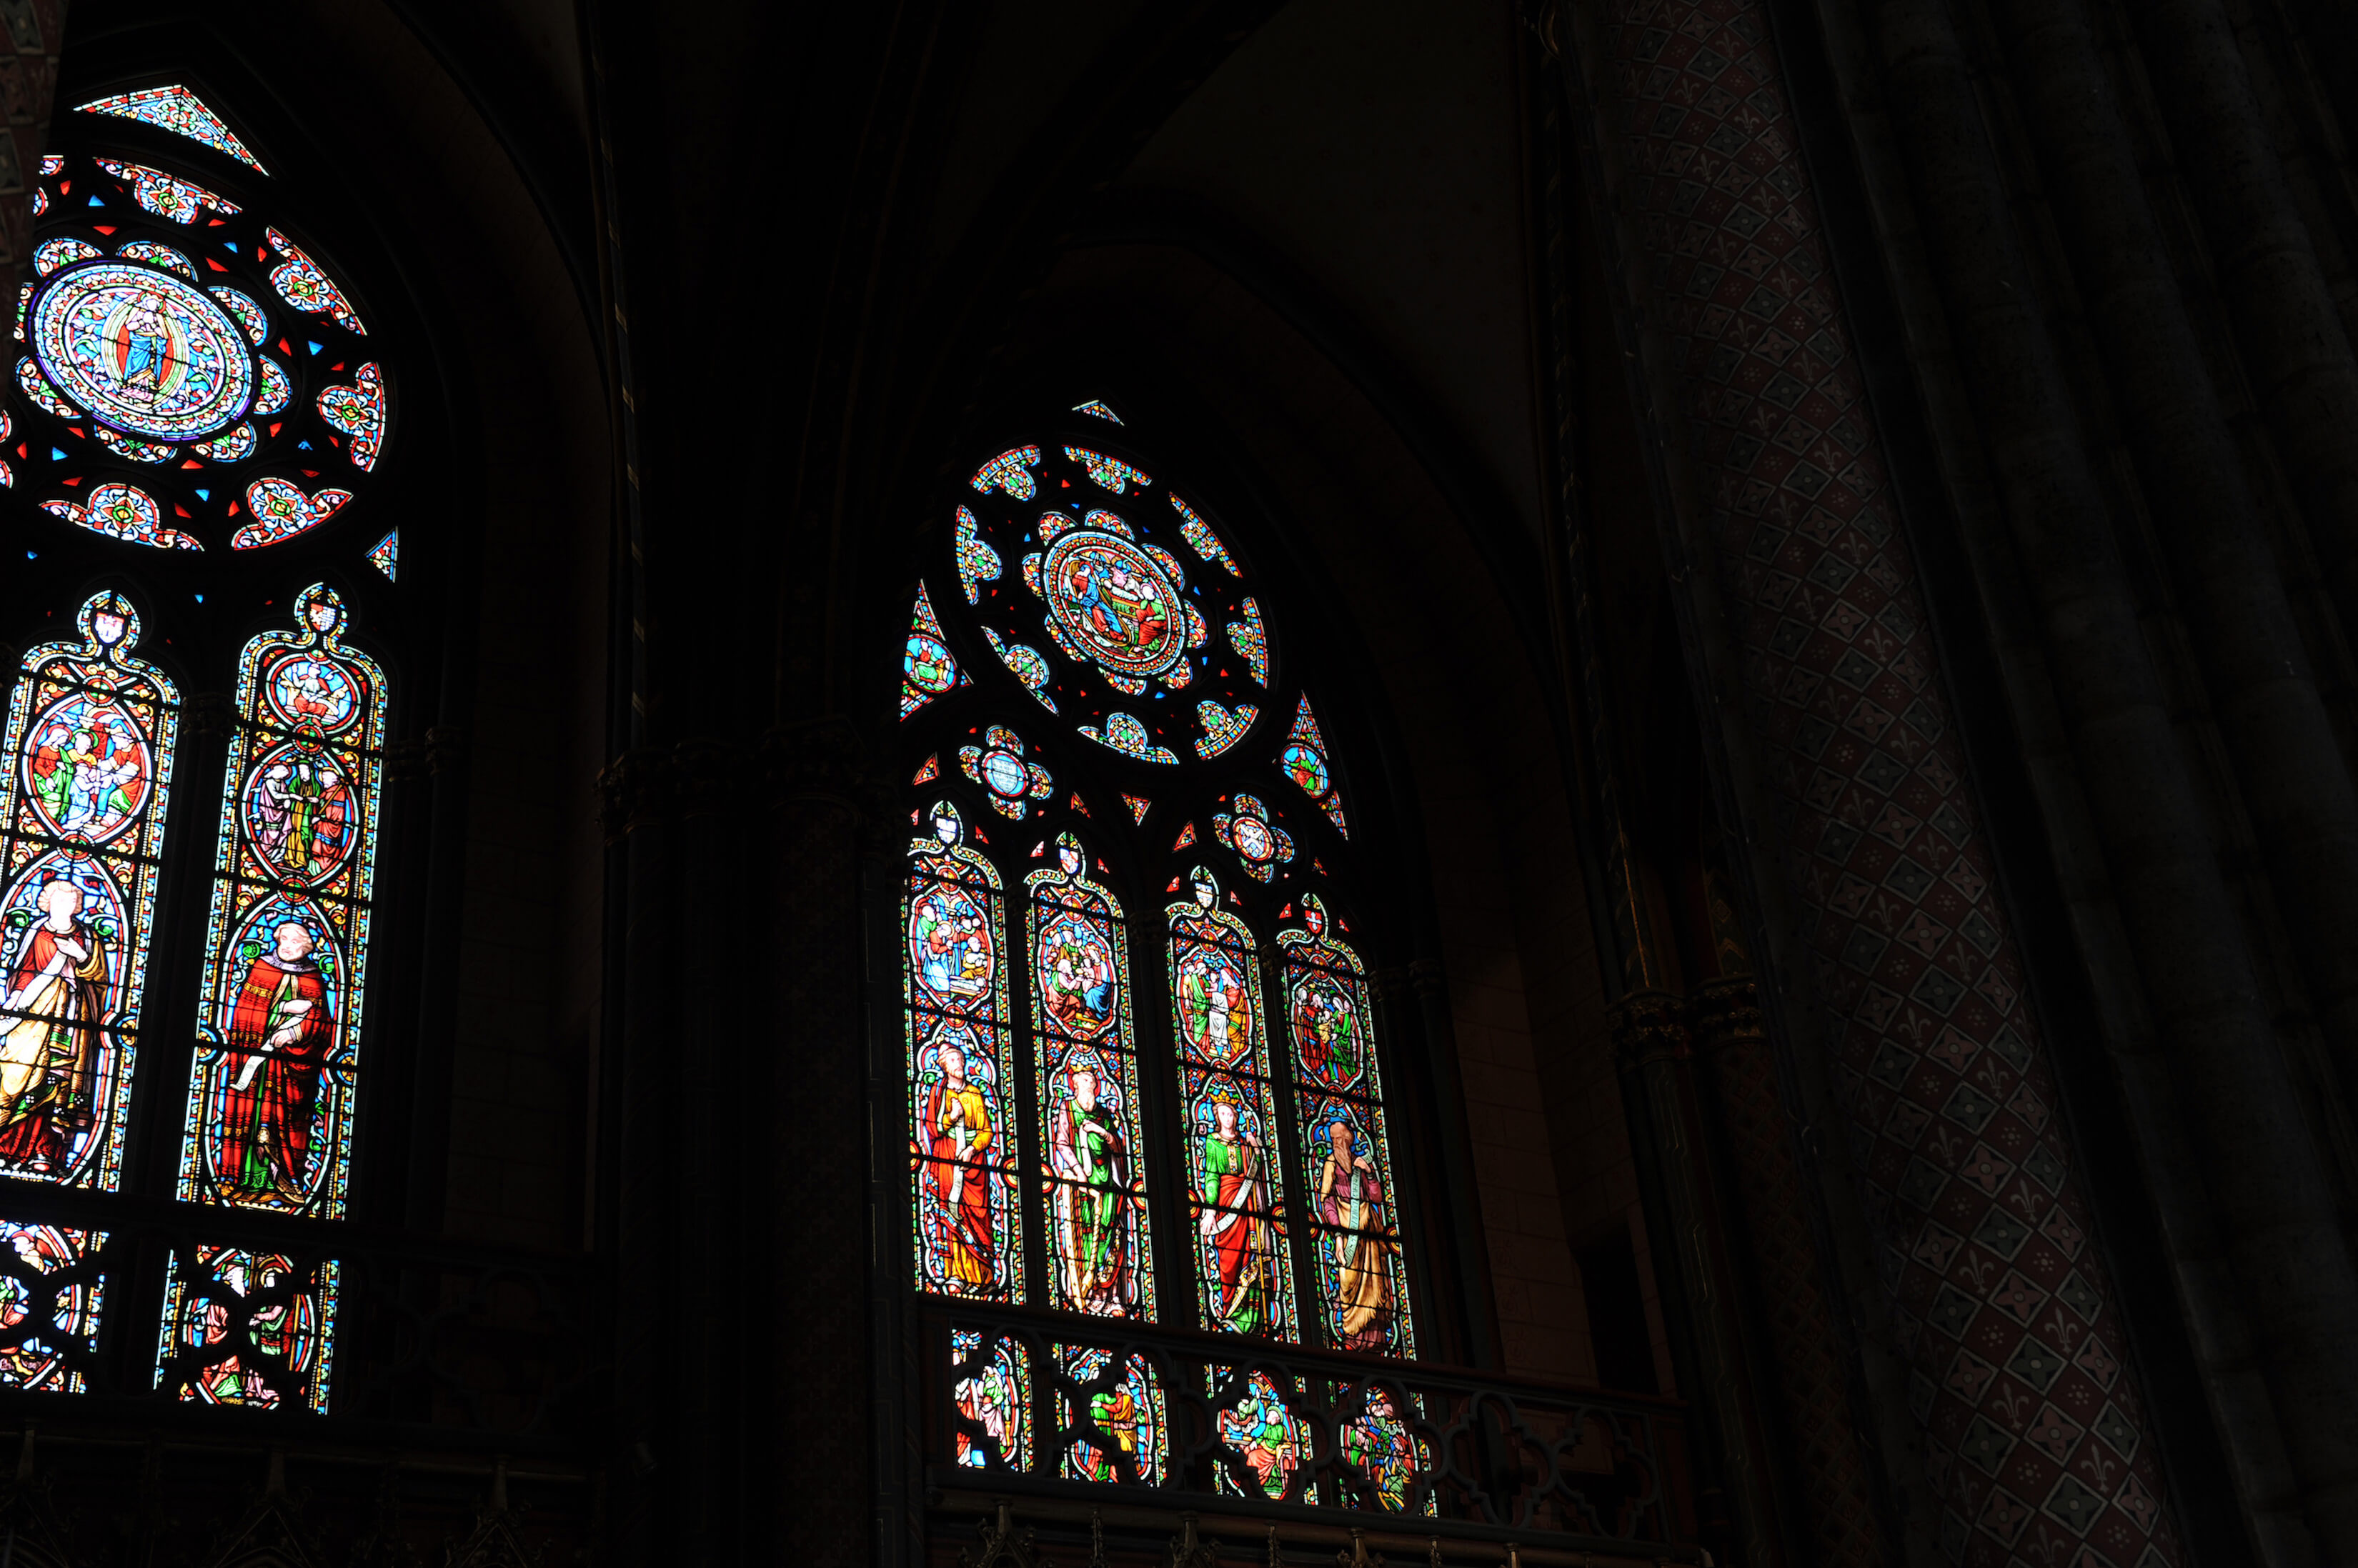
(2034, 1439)
(1806, 1339)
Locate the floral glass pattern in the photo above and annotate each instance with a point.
(1094, 1184)
(90, 750)
(165, 194)
(1304, 761)
(1011, 780)
(269, 1121)
(176, 109)
(968, 1231)
(927, 670)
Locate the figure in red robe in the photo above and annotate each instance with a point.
(958, 1124)
(279, 1034)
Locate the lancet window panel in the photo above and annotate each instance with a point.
(1188, 1125)
(90, 741)
(1085, 1062)
(1228, 1108)
(966, 1212)
(1346, 1158)
(270, 1107)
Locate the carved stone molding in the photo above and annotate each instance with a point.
(1189, 1550)
(1650, 1026)
(1003, 1545)
(1725, 1011)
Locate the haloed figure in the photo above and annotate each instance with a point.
(1351, 1200)
(1233, 1221)
(958, 1121)
(279, 1034)
(1089, 1153)
(49, 1023)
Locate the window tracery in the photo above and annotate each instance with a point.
(175, 330)
(188, 379)
(1217, 1158)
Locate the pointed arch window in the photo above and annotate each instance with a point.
(195, 410)
(1184, 1094)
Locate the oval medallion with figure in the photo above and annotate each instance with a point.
(87, 768)
(142, 350)
(299, 812)
(1116, 602)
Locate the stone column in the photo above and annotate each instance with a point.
(2033, 1434)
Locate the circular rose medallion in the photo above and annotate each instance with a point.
(1108, 593)
(1252, 837)
(87, 768)
(142, 350)
(313, 691)
(1004, 773)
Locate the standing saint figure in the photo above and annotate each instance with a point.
(49, 1024)
(1351, 1200)
(145, 342)
(1234, 1224)
(1089, 1153)
(958, 1123)
(281, 1032)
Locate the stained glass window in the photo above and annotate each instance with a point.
(1121, 1429)
(1354, 1232)
(927, 670)
(1229, 1115)
(990, 1397)
(969, 1236)
(279, 1029)
(50, 1291)
(1086, 1060)
(1055, 1140)
(249, 1328)
(168, 327)
(89, 748)
(180, 112)
(1267, 1443)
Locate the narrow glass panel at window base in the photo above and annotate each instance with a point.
(269, 1117)
(990, 1402)
(91, 741)
(1264, 1444)
(249, 1328)
(1381, 1445)
(176, 109)
(1117, 1419)
(51, 1294)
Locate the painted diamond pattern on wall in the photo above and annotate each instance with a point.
(2034, 1432)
